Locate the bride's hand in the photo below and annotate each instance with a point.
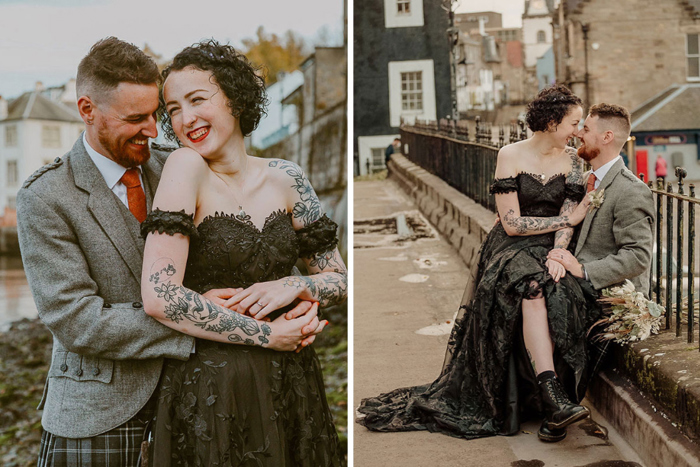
(581, 210)
(261, 299)
(556, 269)
(289, 334)
(219, 296)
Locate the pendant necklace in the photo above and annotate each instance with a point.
(241, 212)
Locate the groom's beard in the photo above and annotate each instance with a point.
(588, 154)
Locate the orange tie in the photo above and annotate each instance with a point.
(135, 194)
(590, 186)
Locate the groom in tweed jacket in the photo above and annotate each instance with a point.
(615, 241)
(78, 221)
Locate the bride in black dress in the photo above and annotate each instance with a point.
(224, 235)
(517, 349)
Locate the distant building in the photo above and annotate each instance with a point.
(636, 48)
(401, 71)
(319, 144)
(470, 23)
(282, 119)
(537, 29)
(34, 130)
(546, 74)
(668, 125)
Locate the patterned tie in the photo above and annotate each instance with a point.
(590, 186)
(135, 194)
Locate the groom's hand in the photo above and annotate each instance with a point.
(568, 260)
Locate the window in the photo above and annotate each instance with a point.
(51, 136)
(378, 157)
(11, 136)
(693, 57)
(403, 13)
(541, 37)
(12, 173)
(412, 90)
(12, 202)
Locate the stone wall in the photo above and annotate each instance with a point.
(641, 46)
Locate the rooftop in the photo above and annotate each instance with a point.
(35, 106)
(675, 108)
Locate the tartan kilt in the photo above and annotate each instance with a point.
(119, 447)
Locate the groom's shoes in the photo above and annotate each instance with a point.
(550, 436)
(559, 410)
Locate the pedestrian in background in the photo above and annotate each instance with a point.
(391, 149)
(661, 167)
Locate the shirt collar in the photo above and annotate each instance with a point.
(603, 170)
(111, 171)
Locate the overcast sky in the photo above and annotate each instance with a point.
(512, 10)
(44, 40)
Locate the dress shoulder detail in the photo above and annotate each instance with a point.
(35, 176)
(574, 191)
(504, 185)
(317, 237)
(169, 222)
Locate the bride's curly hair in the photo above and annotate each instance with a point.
(242, 83)
(549, 107)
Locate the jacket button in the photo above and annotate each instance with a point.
(79, 372)
(96, 371)
(107, 305)
(64, 367)
(137, 305)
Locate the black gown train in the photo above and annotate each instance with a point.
(487, 384)
(238, 405)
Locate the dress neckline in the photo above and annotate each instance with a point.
(246, 220)
(539, 179)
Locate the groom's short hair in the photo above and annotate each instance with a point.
(615, 115)
(112, 61)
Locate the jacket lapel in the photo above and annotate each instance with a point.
(604, 183)
(104, 207)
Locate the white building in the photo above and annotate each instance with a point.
(281, 120)
(34, 130)
(537, 29)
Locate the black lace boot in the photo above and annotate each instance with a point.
(559, 410)
(550, 436)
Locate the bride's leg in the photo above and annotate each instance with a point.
(538, 342)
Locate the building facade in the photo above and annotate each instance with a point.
(34, 130)
(634, 48)
(401, 71)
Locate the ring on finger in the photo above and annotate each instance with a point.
(260, 305)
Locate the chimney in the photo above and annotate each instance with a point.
(39, 86)
(3, 108)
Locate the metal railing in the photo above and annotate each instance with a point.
(677, 234)
(447, 151)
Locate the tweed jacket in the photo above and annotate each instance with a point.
(615, 242)
(82, 254)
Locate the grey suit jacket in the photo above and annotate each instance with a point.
(615, 242)
(82, 253)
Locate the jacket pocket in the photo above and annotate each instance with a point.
(80, 367)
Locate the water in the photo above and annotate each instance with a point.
(16, 300)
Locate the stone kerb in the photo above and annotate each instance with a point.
(461, 220)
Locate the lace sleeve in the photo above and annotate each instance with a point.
(574, 191)
(169, 222)
(317, 237)
(503, 185)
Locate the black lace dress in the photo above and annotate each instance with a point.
(487, 384)
(235, 405)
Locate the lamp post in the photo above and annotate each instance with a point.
(453, 36)
(585, 28)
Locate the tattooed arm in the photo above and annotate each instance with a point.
(563, 236)
(509, 208)
(328, 282)
(165, 256)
